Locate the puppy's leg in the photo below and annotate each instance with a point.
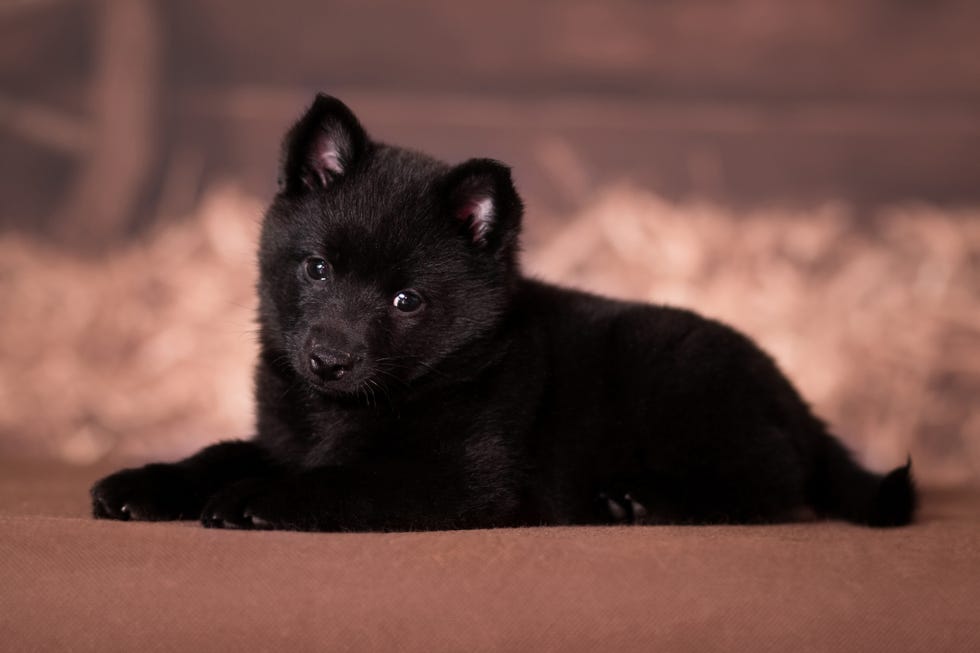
(166, 491)
(379, 496)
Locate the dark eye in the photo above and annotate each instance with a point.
(407, 301)
(317, 269)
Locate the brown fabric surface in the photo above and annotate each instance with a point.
(70, 582)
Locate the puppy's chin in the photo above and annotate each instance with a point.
(349, 386)
(358, 386)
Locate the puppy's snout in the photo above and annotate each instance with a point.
(331, 363)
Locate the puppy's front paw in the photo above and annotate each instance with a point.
(229, 508)
(264, 504)
(157, 492)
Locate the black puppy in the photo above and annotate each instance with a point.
(411, 378)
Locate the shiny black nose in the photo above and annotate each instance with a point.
(331, 364)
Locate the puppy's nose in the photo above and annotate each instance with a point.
(330, 363)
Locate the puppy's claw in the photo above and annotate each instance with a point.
(257, 522)
(638, 510)
(617, 511)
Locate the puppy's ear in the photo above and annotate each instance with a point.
(483, 202)
(321, 147)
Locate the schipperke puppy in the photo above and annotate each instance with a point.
(411, 378)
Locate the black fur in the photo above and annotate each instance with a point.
(502, 401)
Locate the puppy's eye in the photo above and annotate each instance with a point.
(317, 269)
(407, 301)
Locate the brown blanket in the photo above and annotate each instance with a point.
(70, 582)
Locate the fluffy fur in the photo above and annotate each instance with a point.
(411, 378)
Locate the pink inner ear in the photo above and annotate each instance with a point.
(478, 212)
(330, 159)
(325, 159)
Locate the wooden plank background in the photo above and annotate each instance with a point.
(128, 109)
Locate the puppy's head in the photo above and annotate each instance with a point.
(377, 263)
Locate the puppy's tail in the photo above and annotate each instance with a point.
(842, 488)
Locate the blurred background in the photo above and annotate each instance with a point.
(808, 172)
